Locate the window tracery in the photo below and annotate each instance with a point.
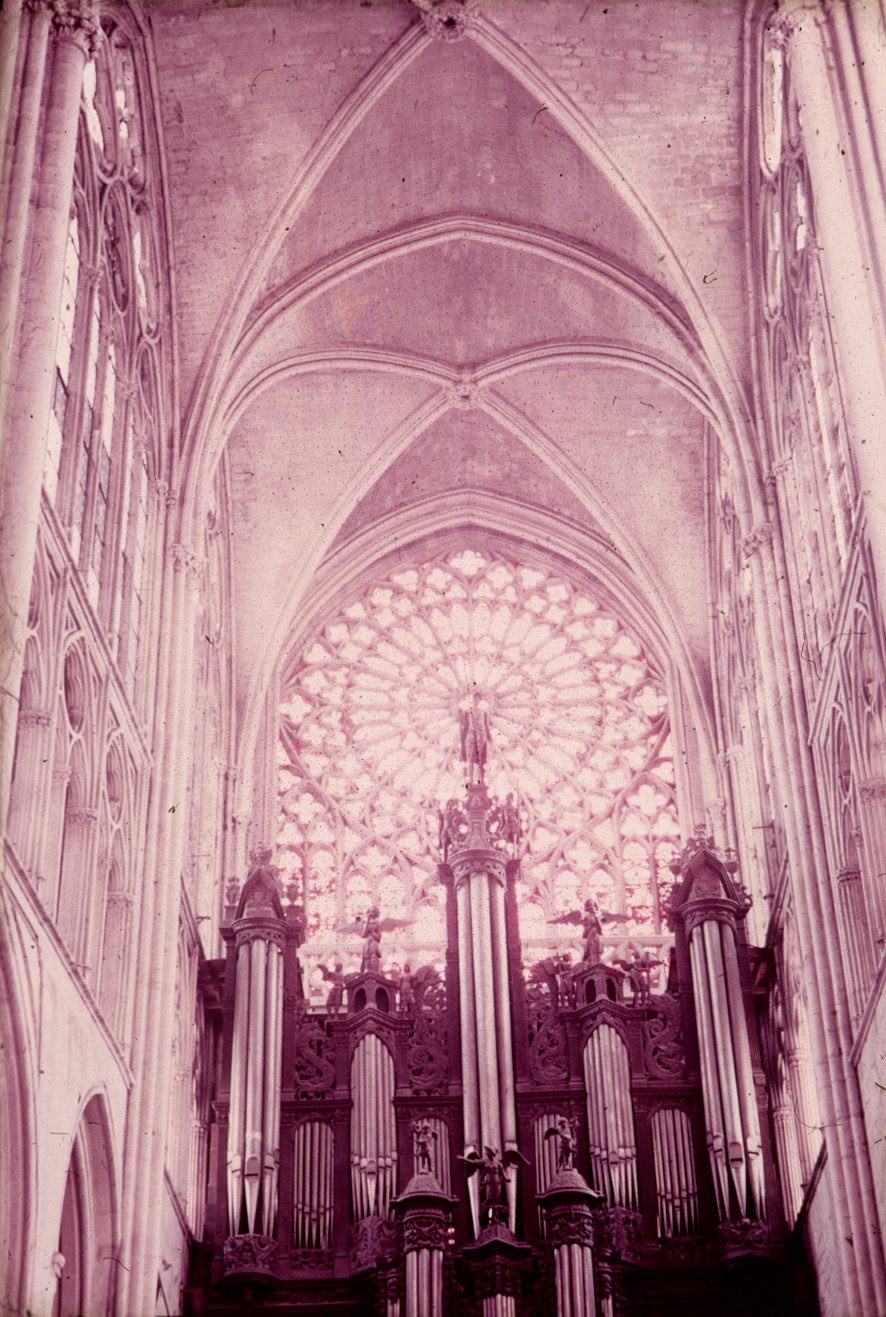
(369, 747)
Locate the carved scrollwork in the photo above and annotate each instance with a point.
(424, 1230)
(618, 1232)
(744, 1236)
(498, 1278)
(268, 930)
(311, 1259)
(427, 1055)
(570, 1225)
(682, 1251)
(547, 1045)
(250, 1253)
(374, 1239)
(314, 1071)
(663, 1053)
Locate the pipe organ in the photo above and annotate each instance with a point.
(489, 1139)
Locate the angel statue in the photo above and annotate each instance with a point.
(493, 1180)
(473, 724)
(412, 987)
(423, 1133)
(556, 973)
(639, 974)
(336, 998)
(564, 1130)
(591, 928)
(370, 928)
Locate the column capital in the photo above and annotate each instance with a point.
(76, 21)
(792, 15)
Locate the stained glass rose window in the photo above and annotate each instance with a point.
(369, 748)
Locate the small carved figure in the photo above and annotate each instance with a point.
(371, 962)
(493, 1180)
(556, 973)
(639, 973)
(406, 990)
(564, 1130)
(336, 998)
(473, 725)
(592, 929)
(511, 829)
(423, 1133)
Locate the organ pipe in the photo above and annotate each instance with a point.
(731, 1115)
(613, 1144)
(373, 1133)
(313, 1195)
(254, 1116)
(488, 1084)
(676, 1191)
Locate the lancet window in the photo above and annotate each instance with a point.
(102, 442)
(369, 748)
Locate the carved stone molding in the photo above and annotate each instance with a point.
(463, 395)
(187, 560)
(755, 540)
(35, 718)
(446, 20)
(82, 817)
(873, 789)
(76, 21)
(791, 15)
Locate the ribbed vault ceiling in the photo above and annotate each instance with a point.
(463, 298)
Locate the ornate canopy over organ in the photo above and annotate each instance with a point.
(494, 1139)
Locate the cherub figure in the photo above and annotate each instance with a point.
(493, 1180)
(564, 1130)
(336, 998)
(423, 1133)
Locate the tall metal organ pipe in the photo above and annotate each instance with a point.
(710, 907)
(254, 1117)
(488, 1084)
(611, 1137)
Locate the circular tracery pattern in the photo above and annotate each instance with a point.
(370, 747)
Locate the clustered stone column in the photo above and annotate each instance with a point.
(36, 314)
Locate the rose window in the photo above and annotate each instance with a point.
(370, 747)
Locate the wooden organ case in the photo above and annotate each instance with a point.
(491, 1142)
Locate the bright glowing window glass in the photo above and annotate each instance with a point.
(369, 745)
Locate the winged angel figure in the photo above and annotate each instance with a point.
(592, 922)
(370, 928)
(493, 1180)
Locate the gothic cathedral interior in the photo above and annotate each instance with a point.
(443, 758)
